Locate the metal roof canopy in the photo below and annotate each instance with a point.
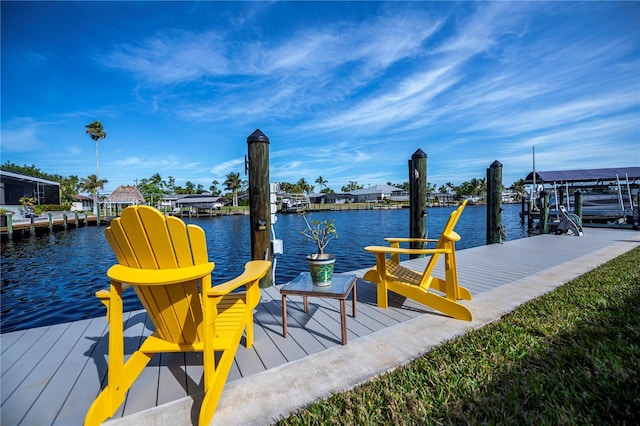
(28, 178)
(204, 200)
(586, 175)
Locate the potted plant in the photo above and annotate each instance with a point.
(320, 232)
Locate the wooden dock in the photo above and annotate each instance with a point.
(50, 375)
(48, 222)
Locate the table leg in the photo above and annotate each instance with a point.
(343, 320)
(284, 315)
(306, 304)
(353, 297)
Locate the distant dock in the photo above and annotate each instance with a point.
(48, 222)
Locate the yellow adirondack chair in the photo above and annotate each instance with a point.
(388, 274)
(167, 265)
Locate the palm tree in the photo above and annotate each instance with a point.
(214, 188)
(96, 132)
(233, 184)
(92, 184)
(322, 182)
(304, 186)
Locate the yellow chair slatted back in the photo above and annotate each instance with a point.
(446, 241)
(143, 238)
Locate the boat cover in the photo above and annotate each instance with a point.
(586, 175)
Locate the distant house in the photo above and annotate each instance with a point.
(168, 202)
(14, 186)
(378, 193)
(82, 203)
(338, 198)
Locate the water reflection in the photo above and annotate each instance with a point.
(52, 278)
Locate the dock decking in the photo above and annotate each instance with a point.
(50, 375)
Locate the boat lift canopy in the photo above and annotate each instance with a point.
(587, 175)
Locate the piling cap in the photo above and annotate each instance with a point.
(496, 164)
(419, 154)
(257, 136)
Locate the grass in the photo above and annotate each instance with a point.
(571, 356)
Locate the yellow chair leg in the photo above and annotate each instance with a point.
(112, 396)
(215, 378)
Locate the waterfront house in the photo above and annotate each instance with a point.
(14, 186)
(378, 193)
(83, 203)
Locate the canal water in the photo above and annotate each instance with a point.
(52, 278)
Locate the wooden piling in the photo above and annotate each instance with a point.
(544, 213)
(494, 203)
(10, 225)
(418, 199)
(259, 196)
(577, 204)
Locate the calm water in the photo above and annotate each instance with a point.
(52, 278)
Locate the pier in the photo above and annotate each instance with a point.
(47, 222)
(51, 375)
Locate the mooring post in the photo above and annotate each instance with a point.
(10, 225)
(259, 200)
(577, 205)
(418, 199)
(494, 203)
(544, 213)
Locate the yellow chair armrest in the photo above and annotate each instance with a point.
(411, 240)
(399, 250)
(454, 236)
(103, 294)
(135, 276)
(253, 271)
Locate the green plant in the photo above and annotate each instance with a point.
(319, 232)
(3, 212)
(27, 201)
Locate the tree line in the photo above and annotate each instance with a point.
(155, 187)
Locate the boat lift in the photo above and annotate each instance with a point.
(569, 224)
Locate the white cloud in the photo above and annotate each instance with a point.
(227, 167)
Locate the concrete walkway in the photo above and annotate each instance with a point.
(265, 397)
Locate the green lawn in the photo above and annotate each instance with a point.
(571, 356)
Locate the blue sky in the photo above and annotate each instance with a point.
(346, 91)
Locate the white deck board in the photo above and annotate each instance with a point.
(51, 375)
